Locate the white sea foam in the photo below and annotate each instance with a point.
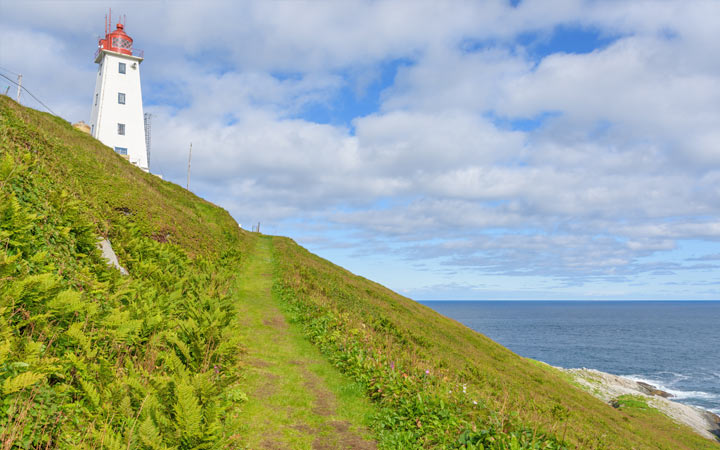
(642, 379)
(680, 395)
(678, 376)
(676, 393)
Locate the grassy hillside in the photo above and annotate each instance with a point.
(90, 358)
(436, 380)
(194, 350)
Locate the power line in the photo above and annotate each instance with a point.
(31, 94)
(8, 70)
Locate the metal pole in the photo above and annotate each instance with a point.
(188, 174)
(19, 87)
(148, 119)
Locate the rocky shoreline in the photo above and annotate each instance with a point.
(608, 388)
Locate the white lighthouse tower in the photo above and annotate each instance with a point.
(117, 112)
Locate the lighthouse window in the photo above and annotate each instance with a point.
(121, 67)
(121, 98)
(96, 99)
(121, 128)
(121, 150)
(121, 43)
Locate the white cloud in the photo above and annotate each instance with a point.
(49, 68)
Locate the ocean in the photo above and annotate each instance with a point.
(674, 345)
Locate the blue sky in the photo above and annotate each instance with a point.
(449, 150)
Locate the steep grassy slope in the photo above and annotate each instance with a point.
(111, 188)
(439, 383)
(157, 359)
(90, 358)
(178, 354)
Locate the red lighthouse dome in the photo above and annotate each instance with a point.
(117, 41)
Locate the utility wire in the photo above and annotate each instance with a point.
(31, 94)
(8, 70)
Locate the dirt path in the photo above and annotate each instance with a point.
(296, 399)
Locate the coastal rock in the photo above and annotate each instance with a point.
(608, 388)
(649, 389)
(714, 418)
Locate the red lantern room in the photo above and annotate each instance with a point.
(117, 41)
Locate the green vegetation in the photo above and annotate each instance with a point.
(631, 401)
(90, 358)
(419, 407)
(162, 358)
(310, 403)
(219, 338)
(426, 372)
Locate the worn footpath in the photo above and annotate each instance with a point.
(296, 400)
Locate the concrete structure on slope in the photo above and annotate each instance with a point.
(117, 113)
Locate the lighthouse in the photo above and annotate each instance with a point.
(117, 111)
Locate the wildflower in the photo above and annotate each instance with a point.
(474, 402)
(392, 365)
(427, 372)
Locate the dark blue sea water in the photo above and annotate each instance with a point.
(671, 344)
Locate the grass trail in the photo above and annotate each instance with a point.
(296, 400)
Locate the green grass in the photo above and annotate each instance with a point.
(296, 398)
(221, 338)
(387, 343)
(631, 402)
(112, 189)
(90, 358)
